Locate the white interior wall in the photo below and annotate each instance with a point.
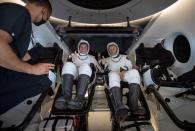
(178, 18)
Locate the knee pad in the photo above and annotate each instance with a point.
(85, 69)
(69, 68)
(132, 76)
(114, 79)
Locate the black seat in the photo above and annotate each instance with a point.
(125, 94)
(154, 61)
(153, 56)
(30, 115)
(156, 74)
(54, 57)
(81, 116)
(86, 108)
(138, 119)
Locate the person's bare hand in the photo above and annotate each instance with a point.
(41, 68)
(74, 56)
(122, 75)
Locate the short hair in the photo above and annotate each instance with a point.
(83, 43)
(44, 3)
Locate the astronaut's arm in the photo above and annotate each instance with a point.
(127, 64)
(72, 57)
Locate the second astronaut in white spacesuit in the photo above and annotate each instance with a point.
(78, 67)
(120, 69)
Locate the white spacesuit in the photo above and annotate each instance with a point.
(77, 67)
(120, 69)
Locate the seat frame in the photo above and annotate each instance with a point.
(138, 120)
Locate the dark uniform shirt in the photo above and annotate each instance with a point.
(17, 86)
(16, 20)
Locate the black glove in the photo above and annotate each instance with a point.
(124, 68)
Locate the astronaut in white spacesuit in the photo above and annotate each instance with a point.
(77, 67)
(120, 69)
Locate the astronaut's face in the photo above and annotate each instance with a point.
(112, 50)
(83, 48)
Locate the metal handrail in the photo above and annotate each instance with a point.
(185, 125)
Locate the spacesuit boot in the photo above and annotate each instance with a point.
(67, 83)
(133, 100)
(121, 112)
(79, 101)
